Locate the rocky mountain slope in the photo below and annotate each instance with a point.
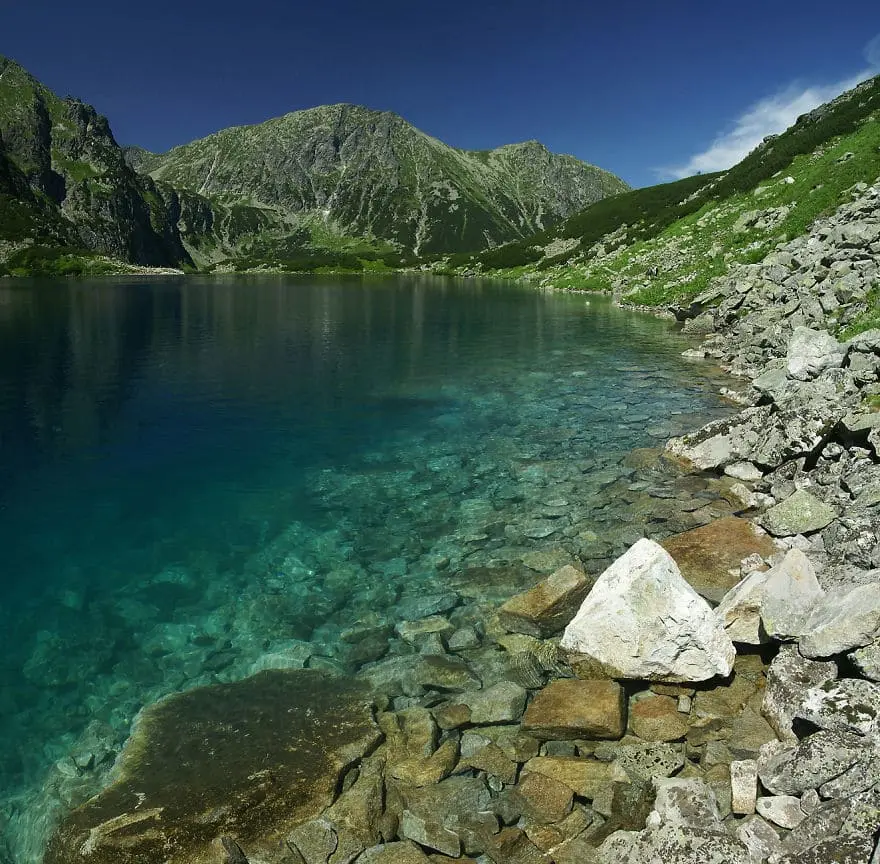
(338, 186)
(372, 173)
(666, 242)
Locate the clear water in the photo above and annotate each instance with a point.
(197, 473)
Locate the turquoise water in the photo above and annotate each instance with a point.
(202, 477)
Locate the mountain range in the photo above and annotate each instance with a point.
(337, 185)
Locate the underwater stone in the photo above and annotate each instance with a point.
(548, 607)
(249, 759)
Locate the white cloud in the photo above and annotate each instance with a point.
(769, 116)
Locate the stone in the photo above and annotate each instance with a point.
(544, 799)
(672, 845)
(656, 718)
(585, 777)
(800, 513)
(430, 834)
(818, 758)
(316, 840)
(706, 555)
(414, 631)
(463, 639)
(843, 621)
(722, 442)
(811, 352)
(845, 705)
(502, 703)
(849, 849)
(782, 810)
(647, 761)
(452, 716)
(401, 852)
(643, 621)
(493, 760)
(867, 660)
(268, 752)
(760, 838)
(447, 674)
(789, 678)
(686, 803)
(789, 594)
(427, 771)
(743, 786)
(548, 607)
(512, 846)
(569, 708)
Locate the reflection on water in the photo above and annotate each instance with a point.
(194, 472)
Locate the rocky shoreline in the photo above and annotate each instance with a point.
(711, 699)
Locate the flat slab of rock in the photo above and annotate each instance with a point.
(548, 607)
(811, 352)
(800, 513)
(843, 621)
(706, 555)
(642, 620)
(250, 759)
(570, 708)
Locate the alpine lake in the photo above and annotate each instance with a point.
(202, 478)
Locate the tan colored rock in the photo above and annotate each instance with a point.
(743, 786)
(268, 752)
(657, 718)
(549, 606)
(570, 708)
(585, 777)
(707, 555)
(418, 771)
(451, 716)
(544, 799)
(493, 760)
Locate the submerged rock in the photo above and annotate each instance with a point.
(643, 621)
(548, 607)
(249, 759)
(707, 555)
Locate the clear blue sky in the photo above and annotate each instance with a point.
(641, 88)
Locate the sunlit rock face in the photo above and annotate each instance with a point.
(248, 760)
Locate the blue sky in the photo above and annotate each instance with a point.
(648, 90)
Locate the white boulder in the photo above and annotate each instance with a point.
(643, 621)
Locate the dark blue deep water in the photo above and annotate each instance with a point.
(198, 474)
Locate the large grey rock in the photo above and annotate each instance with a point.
(848, 849)
(760, 838)
(847, 705)
(686, 803)
(643, 621)
(811, 352)
(817, 759)
(430, 833)
(789, 678)
(782, 810)
(773, 603)
(843, 621)
(722, 442)
(800, 513)
(671, 845)
(867, 660)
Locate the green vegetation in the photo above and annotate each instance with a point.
(56, 261)
(869, 319)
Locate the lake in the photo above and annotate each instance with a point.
(203, 477)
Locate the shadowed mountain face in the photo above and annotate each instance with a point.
(372, 173)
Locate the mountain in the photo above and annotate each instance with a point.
(662, 245)
(338, 186)
(370, 173)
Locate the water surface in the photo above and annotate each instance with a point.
(197, 474)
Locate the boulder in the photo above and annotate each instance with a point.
(811, 352)
(429, 833)
(722, 442)
(501, 703)
(849, 849)
(843, 621)
(846, 705)
(657, 718)
(686, 803)
(707, 555)
(267, 752)
(800, 513)
(782, 810)
(544, 799)
(867, 660)
(548, 607)
(789, 678)
(585, 777)
(760, 838)
(570, 708)
(817, 759)
(643, 621)
(773, 603)
(672, 845)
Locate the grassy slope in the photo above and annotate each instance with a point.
(664, 243)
